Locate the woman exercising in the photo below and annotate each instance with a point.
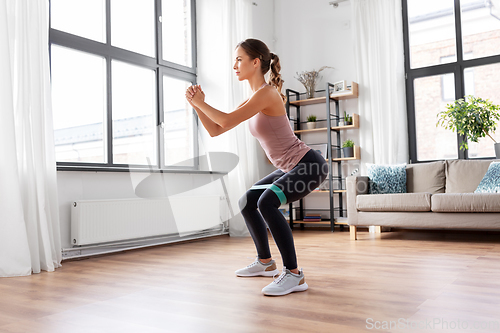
(300, 169)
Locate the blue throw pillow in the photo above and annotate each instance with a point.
(387, 178)
(491, 180)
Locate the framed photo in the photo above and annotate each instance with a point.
(320, 148)
(285, 210)
(339, 86)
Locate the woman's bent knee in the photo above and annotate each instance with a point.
(242, 203)
(268, 200)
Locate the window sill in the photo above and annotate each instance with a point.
(117, 169)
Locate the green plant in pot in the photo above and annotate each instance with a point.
(347, 119)
(311, 122)
(348, 148)
(473, 117)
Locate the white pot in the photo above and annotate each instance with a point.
(311, 125)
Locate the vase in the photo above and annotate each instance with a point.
(310, 91)
(348, 151)
(311, 125)
(497, 150)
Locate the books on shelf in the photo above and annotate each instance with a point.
(312, 218)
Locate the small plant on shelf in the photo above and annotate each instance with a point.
(348, 144)
(347, 119)
(311, 122)
(348, 148)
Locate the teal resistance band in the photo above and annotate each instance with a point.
(273, 188)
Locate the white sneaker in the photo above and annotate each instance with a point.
(257, 268)
(286, 283)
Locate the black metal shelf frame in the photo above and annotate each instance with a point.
(331, 147)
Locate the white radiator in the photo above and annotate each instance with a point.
(102, 221)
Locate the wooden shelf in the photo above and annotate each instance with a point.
(326, 191)
(353, 93)
(310, 222)
(338, 220)
(347, 94)
(341, 220)
(312, 130)
(335, 97)
(355, 125)
(309, 101)
(356, 156)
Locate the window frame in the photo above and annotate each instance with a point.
(158, 65)
(458, 68)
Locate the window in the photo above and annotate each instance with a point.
(452, 49)
(119, 71)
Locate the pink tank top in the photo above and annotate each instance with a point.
(276, 137)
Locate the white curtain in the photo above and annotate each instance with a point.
(222, 25)
(379, 56)
(29, 216)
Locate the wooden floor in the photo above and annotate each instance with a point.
(409, 278)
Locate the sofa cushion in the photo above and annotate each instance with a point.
(466, 202)
(426, 177)
(394, 202)
(491, 180)
(387, 178)
(463, 176)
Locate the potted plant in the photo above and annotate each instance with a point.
(348, 148)
(473, 117)
(311, 122)
(347, 119)
(308, 79)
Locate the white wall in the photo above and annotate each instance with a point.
(311, 34)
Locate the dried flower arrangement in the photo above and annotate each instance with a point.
(308, 79)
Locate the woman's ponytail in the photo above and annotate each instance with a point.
(275, 77)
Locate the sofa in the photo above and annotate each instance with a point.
(439, 195)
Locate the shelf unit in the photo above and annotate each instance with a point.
(331, 119)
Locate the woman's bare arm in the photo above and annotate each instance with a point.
(212, 128)
(259, 101)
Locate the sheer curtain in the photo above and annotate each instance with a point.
(216, 44)
(379, 56)
(29, 216)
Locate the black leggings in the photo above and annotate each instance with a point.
(307, 175)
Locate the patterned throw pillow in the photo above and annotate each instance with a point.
(491, 180)
(387, 178)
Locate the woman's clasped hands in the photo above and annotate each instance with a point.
(195, 95)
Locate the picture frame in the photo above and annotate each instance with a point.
(322, 148)
(285, 210)
(339, 86)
